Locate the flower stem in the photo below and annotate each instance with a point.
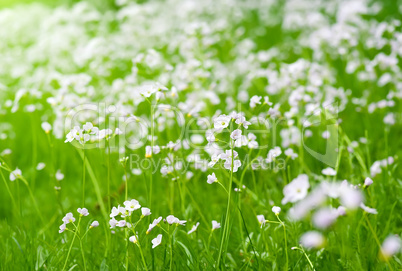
(142, 257)
(376, 238)
(8, 190)
(71, 246)
(286, 243)
(32, 198)
(108, 175)
(83, 257)
(83, 179)
(152, 151)
(308, 259)
(226, 226)
(126, 233)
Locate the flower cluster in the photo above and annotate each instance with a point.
(89, 132)
(69, 218)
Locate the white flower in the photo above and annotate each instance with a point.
(131, 205)
(88, 127)
(261, 220)
(210, 136)
(228, 155)
(290, 153)
(212, 178)
(156, 241)
(145, 211)
(222, 122)
(252, 144)
(40, 166)
(173, 220)
(312, 239)
(148, 90)
(151, 150)
(236, 134)
(5, 151)
(148, 151)
(15, 174)
(62, 227)
(113, 222)
(136, 171)
(214, 160)
(46, 127)
(368, 209)
(133, 239)
(324, 217)
(255, 100)
(341, 211)
(59, 176)
(114, 212)
(296, 190)
(389, 119)
(390, 246)
(121, 223)
(350, 197)
(94, 224)
(241, 120)
(68, 218)
(83, 211)
(156, 149)
(276, 210)
(236, 164)
(328, 171)
(368, 181)
(153, 224)
(194, 228)
(266, 100)
(117, 131)
(104, 133)
(273, 153)
(215, 225)
(73, 134)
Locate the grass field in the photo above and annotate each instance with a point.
(200, 135)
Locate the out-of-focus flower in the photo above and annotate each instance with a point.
(312, 239)
(296, 190)
(40, 166)
(15, 174)
(46, 127)
(328, 171)
(368, 181)
(290, 153)
(59, 176)
(212, 178)
(324, 217)
(390, 246)
(261, 220)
